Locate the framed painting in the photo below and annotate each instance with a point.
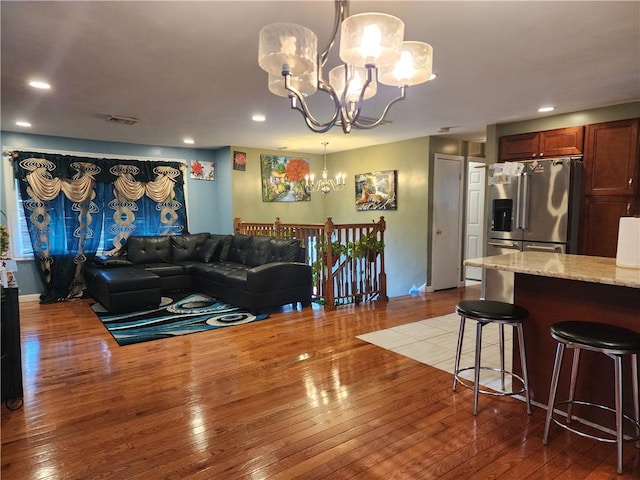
(283, 179)
(376, 190)
(239, 160)
(202, 170)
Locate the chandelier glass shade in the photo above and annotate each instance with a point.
(324, 184)
(373, 51)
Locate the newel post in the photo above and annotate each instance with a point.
(329, 294)
(277, 227)
(382, 277)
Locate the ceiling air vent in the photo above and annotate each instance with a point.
(122, 120)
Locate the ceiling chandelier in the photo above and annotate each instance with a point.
(325, 184)
(372, 49)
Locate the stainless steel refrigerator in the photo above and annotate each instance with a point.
(533, 206)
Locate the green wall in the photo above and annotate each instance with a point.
(246, 192)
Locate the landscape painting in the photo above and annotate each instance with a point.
(283, 179)
(376, 190)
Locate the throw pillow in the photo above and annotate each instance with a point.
(210, 250)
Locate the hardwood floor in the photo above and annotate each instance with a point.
(295, 396)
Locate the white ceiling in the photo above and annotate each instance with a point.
(190, 68)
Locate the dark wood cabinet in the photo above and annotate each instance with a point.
(610, 184)
(611, 158)
(549, 143)
(11, 356)
(599, 224)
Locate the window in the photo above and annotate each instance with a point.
(22, 244)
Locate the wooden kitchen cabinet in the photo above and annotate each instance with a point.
(611, 159)
(610, 184)
(599, 223)
(548, 143)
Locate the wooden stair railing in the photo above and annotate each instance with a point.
(347, 259)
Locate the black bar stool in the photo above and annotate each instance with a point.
(613, 341)
(485, 312)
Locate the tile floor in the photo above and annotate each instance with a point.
(433, 342)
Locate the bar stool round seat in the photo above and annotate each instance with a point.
(485, 312)
(614, 341)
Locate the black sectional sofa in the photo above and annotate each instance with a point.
(256, 272)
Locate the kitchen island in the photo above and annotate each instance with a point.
(556, 287)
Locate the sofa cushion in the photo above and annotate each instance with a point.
(240, 249)
(187, 247)
(285, 250)
(261, 251)
(225, 245)
(149, 249)
(210, 250)
(110, 261)
(163, 269)
(222, 272)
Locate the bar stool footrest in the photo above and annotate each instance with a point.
(611, 439)
(501, 393)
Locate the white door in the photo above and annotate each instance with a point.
(474, 241)
(446, 233)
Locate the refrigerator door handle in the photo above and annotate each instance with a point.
(518, 201)
(513, 246)
(541, 248)
(524, 202)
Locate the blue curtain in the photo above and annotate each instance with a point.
(69, 202)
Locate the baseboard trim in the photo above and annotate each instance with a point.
(32, 297)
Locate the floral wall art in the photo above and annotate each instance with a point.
(239, 160)
(283, 179)
(376, 190)
(202, 170)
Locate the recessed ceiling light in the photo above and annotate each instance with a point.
(258, 118)
(546, 109)
(22, 123)
(40, 85)
(432, 76)
(190, 141)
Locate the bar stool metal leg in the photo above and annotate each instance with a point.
(636, 403)
(476, 386)
(575, 364)
(456, 367)
(618, 387)
(557, 365)
(501, 341)
(523, 365)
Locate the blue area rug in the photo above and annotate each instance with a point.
(184, 314)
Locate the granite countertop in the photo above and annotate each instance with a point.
(573, 267)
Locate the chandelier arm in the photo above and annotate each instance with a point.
(341, 12)
(353, 112)
(384, 112)
(298, 103)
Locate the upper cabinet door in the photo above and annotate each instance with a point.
(611, 158)
(518, 147)
(560, 142)
(550, 143)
